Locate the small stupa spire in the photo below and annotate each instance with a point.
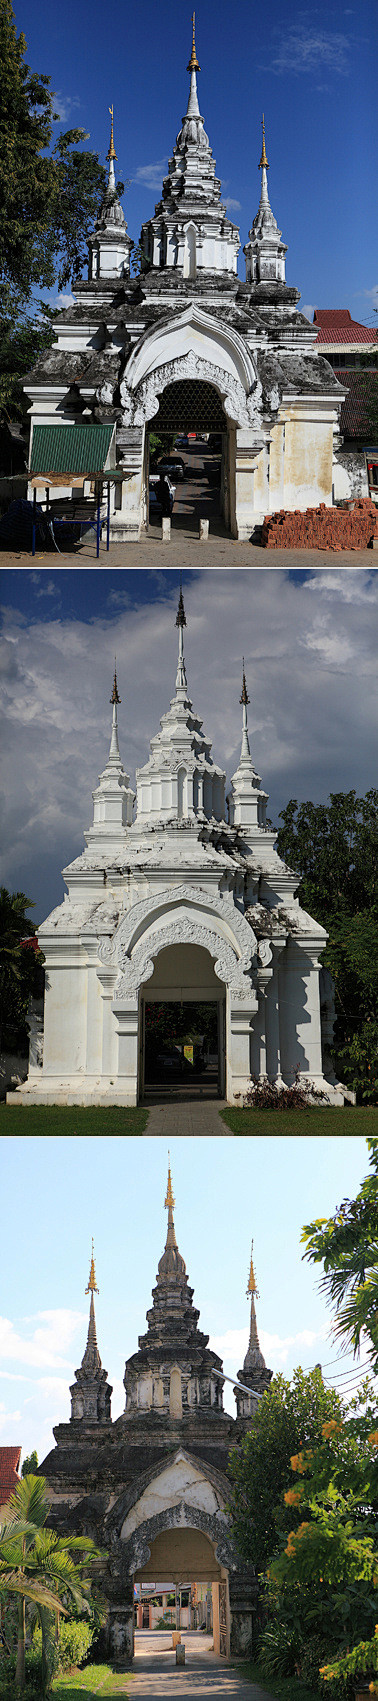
(171, 1264)
(92, 1288)
(193, 110)
(244, 700)
(111, 155)
(263, 161)
(114, 755)
(253, 1293)
(252, 1284)
(169, 1201)
(193, 61)
(181, 680)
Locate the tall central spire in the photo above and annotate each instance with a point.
(111, 154)
(193, 110)
(181, 679)
(244, 700)
(115, 699)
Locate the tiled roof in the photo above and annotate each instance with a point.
(337, 326)
(9, 1463)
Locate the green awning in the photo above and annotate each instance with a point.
(71, 449)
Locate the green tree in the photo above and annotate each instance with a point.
(21, 968)
(347, 1246)
(42, 1568)
(49, 197)
(334, 846)
(289, 1416)
(30, 1464)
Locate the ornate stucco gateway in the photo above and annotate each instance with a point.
(187, 321)
(152, 1487)
(185, 902)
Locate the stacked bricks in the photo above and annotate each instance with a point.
(352, 527)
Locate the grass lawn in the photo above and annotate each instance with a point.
(345, 1119)
(71, 1119)
(94, 1680)
(282, 1688)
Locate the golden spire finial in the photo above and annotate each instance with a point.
(169, 1201)
(244, 693)
(193, 61)
(252, 1285)
(111, 154)
(92, 1276)
(115, 698)
(263, 160)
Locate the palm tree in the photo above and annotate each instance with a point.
(38, 1566)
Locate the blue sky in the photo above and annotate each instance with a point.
(311, 70)
(309, 643)
(113, 1188)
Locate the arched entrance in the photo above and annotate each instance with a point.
(192, 428)
(183, 1584)
(182, 1027)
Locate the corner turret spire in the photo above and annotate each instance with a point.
(91, 1391)
(111, 154)
(114, 755)
(244, 700)
(254, 1371)
(193, 110)
(181, 679)
(264, 251)
(109, 244)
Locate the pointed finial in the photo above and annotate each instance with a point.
(115, 698)
(92, 1276)
(244, 693)
(263, 160)
(252, 1286)
(193, 61)
(181, 616)
(169, 1201)
(111, 154)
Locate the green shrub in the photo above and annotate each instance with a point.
(280, 1649)
(75, 1639)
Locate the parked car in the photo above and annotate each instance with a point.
(175, 469)
(185, 442)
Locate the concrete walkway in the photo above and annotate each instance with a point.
(187, 1117)
(204, 1677)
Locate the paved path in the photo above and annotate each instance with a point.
(188, 1117)
(204, 1678)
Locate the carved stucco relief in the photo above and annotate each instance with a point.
(117, 950)
(181, 931)
(143, 404)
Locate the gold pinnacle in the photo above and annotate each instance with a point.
(92, 1276)
(263, 160)
(193, 61)
(169, 1200)
(115, 698)
(111, 151)
(252, 1287)
(244, 693)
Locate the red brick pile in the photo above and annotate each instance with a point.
(353, 527)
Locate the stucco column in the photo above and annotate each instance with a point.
(240, 1016)
(127, 519)
(107, 979)
(247, 451)
(272, 1019)
(300, 1032)
(125, 1010)
(94, 1012)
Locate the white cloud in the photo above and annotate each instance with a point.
(304, 49)
(151, 176)
(277, 1350)
(232, 206)
(308, 310)
(48, 1341)
(62, 300)
(65, 105)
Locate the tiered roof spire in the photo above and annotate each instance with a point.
(181, 679)
(264, 251)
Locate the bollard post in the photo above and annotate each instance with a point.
(203, 530)
(166, 529)
(180, 1654)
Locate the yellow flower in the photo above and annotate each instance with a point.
(302, 1530)
(331, 1428)
(293, 1496)
(373, 1438)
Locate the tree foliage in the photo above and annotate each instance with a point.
(21, 969)
(334, 846)
(41, 1568)
(289, 1417)
(347, 1246)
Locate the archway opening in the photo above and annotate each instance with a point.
(189, 438)
(182, 1028)
(182, 1589)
